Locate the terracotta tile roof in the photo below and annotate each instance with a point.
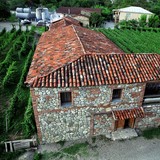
(95, 42)
(128, 113)
(64, 45)
(66, 21)
(103, 69)
(77, 10)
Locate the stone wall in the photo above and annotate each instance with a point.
(71, 124)
(152, 117)
(89, 113)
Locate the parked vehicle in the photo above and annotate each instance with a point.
(41, 23)
(25, 21)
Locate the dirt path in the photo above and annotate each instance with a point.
(135, 149)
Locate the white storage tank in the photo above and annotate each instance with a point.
(19, 10)
(46, 13)
(43, 16)
(39, 13)
(26, 10)
(23, 15)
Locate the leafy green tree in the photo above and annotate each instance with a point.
(4, 10)
(16, 3)
(106, 12)
(96, 20)
(153, 21)
(143, 20)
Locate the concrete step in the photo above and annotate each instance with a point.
(124, 134)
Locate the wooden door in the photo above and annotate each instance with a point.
(119, 124)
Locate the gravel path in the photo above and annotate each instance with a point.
(134, 149)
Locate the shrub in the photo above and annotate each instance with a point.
(151, 133)
(37, 156)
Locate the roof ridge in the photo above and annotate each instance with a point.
(73, 26)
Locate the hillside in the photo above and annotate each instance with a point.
(16, 52)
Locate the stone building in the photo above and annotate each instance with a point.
(83, 85)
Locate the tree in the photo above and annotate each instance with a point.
(95, 20)
(153, 21)
(4, 11)
(106, 12)
(16, 3)
(143, 20)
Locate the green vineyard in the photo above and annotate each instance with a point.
(16, 51)
(134, 41)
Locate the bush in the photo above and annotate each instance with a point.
(151, 133)
(37, 156)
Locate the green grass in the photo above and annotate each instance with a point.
(72, 150)
(48, 156)
(66, 153)
(11, 155)
(151, 133)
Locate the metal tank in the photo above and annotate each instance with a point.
(23, 15)
(26, 10)
(39, 13)
(19, 10)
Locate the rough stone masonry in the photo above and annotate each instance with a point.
(89, 113)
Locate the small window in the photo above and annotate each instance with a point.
(116, 96)
(152, 93)
(65, 99)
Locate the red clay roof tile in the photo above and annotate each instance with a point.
(64, 45)
(77, 10)
(88, 70)
(72, 56)
(128, 113)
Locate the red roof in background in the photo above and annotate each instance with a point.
(103, 69)
(57, 48)
(77, 10)
(66, 21)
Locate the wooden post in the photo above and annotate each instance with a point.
(11, 146)
(6, 146)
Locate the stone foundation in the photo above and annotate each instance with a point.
(152, 117)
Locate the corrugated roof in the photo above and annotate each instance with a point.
(134, 9)
(103, 69)
(128, 113)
